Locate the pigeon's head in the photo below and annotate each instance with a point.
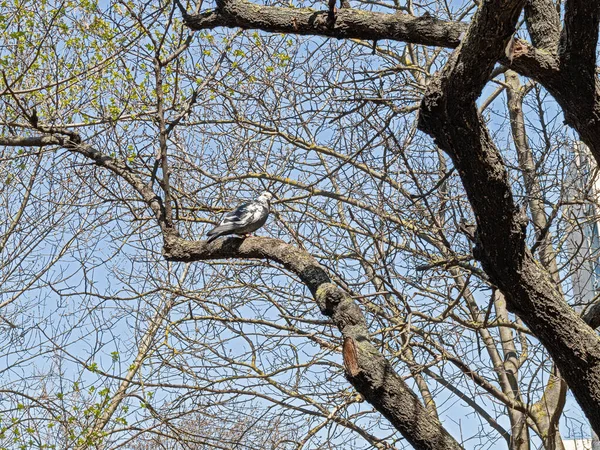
(265, 197)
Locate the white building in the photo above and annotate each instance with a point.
(583, 243)
(578, 444)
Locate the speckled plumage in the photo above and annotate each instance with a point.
(244, 219)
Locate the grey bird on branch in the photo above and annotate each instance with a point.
(244, 219)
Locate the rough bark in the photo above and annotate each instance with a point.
(543, 23)
(592, 316)
(547, 411)
(349, 23)
(368, 371)
(577, 48)
(449, 114)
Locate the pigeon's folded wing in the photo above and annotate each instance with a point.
(245, 219)
(240, 216)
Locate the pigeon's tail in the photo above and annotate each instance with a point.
(212, 237)
(218, 232)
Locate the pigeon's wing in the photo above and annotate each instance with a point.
(240, 216)
(234, 220)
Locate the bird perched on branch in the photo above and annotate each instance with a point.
(244, 219)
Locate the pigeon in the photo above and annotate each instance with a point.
(244, 219)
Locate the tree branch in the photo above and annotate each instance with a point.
(449, 114)
(372, 375)
(368, 371)
(592, 316)
(33, 141)
(349, 23)
(543, 24)
(577, 49)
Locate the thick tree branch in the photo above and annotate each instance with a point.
(349, 23)
(529, 61)
(358, 24)
(592, 316)
(543, 24)
(577, 49)
(485, 42)
(368, 371)
(449, 114)
(33, 141)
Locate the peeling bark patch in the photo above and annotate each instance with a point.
(519, 48)
(350, 357)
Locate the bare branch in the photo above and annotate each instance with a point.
(33, 141)
(349, 23)
(373, 376)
